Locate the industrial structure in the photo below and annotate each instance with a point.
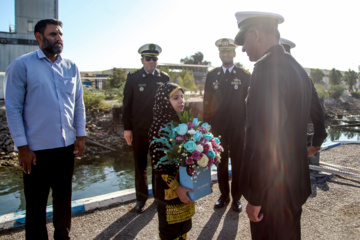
(20, 38)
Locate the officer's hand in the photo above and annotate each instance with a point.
(26, 158)
(253, 213)
(311, 151)
(128, 135)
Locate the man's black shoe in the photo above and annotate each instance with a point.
(221, 202)
(236, 206)
(140, 207)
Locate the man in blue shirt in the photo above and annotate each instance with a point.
(46, 116)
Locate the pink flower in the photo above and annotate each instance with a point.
(206, 149)
(189, 161)
(196, 155)
(179, 138)
(191, 171)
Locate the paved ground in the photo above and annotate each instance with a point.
(331, 215)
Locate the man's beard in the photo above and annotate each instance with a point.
(51, 48)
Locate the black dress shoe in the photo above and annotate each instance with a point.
(236, 206)
(140, 207)
(221, 202)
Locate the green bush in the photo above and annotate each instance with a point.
(356, 94)
(321, 91)
(335, 91)
(95, 102)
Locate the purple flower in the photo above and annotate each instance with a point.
(196, 155)
(206, 149)
(189, 161)
(191, 171)
(202, 129)
(190, 125)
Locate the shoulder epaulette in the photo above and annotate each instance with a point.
(246, 71)
(133, 71)
(263, 58)
(212, 70)
(165, 73)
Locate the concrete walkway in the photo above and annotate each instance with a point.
(332, 214)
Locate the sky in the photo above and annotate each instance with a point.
(100, 35)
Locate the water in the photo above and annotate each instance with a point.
(92, 177)
(342, 134)
(112, 172)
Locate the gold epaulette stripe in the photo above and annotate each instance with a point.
(246, 71)
(165, 73)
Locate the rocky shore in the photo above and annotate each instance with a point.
(105, 131)
(103, 135)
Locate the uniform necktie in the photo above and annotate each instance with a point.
(227, 74)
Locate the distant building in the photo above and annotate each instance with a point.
(2, 76)
(96, 79)
(20, 39)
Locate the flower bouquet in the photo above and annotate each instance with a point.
(190, 145)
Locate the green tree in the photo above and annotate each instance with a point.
(317, 76)
(172, 75)
(350, 77)
(115, 84)
(189, 81)
(197, 58)
(335, 77)
(180, 81)
(117, 79)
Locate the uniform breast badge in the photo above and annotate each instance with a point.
(216, 84)
(236, 83)
(142, 87)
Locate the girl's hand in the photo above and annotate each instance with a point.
(182, 194)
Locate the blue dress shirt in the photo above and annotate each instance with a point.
(44, 101)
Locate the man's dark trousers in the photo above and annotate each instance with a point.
(232, 141)
(141, 147)
(54, 169)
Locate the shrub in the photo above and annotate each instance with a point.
(356, 94)
(335, 91)
(94, 102)
(321, 91)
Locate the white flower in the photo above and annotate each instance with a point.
(210, 146)
(202, 162)
(192, 131)
(199, 148)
